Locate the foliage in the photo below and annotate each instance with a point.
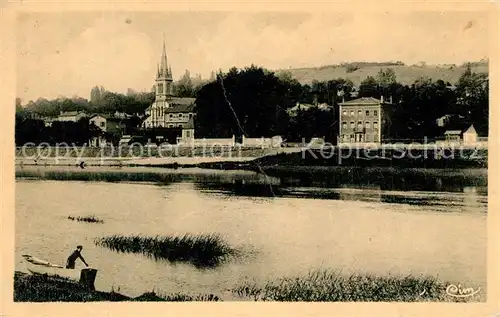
(43, 288)
(34, 130)
(256, 102)
(202, 250)
(332, 286)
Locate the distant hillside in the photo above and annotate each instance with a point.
(405, 74)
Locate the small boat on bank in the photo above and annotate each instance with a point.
(38, 266)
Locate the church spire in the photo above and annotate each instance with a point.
(164, 63)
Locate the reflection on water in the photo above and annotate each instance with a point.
(398, 228)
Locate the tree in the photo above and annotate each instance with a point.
(250, 101)
(473, 99)
(385, 79)
(95, 95)
(369, 88)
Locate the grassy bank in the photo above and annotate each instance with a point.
(42, 288)
(416, 158)
(329, 286)
(201, 251)
(98, 176)
(317, 286)
(126, 151)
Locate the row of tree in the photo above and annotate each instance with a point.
(35, 131)
(256, 102)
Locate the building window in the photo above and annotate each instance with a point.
(160, 88)
(168, 88)
(344, 125)
(180, 125)
(375, 112)
(367, 113)
(375, 125)
(344, 113)
(352, 124)
(368, 138)
(170, 125)
(360, 124)
(180, 115)
(171, 116)
(367, 124)
(190, 115)
(352, 137)
(359, 113)
(375, 138)
(102, 124)
(352, 112)
(188, 134)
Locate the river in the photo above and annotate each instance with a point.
(287, 228)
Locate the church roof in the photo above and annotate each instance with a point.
(180, 108)
(181, 101)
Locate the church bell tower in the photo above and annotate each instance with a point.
(164, 86)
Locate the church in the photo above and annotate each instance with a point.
(168, 111)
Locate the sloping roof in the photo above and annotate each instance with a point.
(71, 113)
(471, 129)
(453, 132)
(181, 101)
(363, 101)
(180, 108)
(106, 116)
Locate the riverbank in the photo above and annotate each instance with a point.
(257, 159)
(42, 288)
(317, 286)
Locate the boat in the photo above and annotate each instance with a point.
(38, 266)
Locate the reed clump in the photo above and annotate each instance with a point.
(331, 286)
(90, 219)
(208, 250)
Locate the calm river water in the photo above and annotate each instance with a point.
(288, 229)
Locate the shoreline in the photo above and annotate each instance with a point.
(316, 286)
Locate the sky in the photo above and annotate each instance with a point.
(66, 54)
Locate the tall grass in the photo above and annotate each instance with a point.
(43, 288)
(328, 286)
(207, 250)
(91, 219)
(98, 176)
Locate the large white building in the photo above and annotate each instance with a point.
(168, 111)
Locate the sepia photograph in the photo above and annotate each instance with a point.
(246, 156)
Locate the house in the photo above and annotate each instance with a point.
(364, 120)
(467, 136)
(73, 116)
(178, 116)
(470, 136)
(442, 121)
(453, 136)
(293, 111)
(107, 123)
(187, 136)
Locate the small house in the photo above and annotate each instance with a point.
(73, 116)
(466, 136)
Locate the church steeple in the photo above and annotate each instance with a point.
(164, 77)
(164, 62)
